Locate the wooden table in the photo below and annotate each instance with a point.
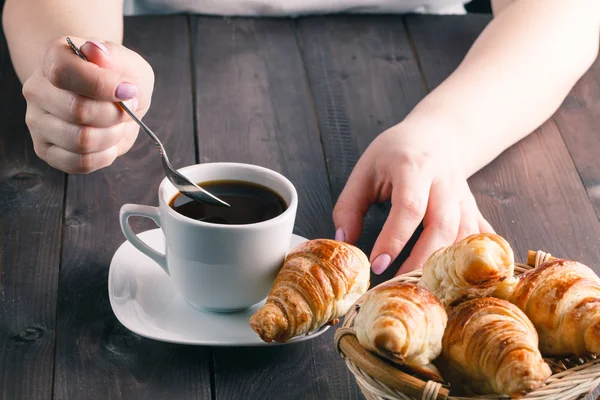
(302, 97)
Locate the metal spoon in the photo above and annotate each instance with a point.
(181, 183)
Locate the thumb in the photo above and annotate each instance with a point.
(118, 58)
(352, 205)
(96, 51)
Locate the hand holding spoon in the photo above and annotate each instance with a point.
(181, 183)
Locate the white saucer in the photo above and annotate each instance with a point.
(146, 302)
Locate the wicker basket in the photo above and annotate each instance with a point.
(572, 378)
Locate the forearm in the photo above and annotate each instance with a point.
(515, 76)
(30, 24)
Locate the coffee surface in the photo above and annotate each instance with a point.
(250, 203)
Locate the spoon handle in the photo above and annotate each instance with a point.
(145, 128)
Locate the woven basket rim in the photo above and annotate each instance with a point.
(579, 376)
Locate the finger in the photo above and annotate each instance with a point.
(409, 202)
(80, 139)
(74, 163)
(440, 226)
(484, 225)
(468, 216)
(67, 71)
(113, 56)
(116, 57)
(74, 108)
(353, 203)
(32, 114)
(131, 133)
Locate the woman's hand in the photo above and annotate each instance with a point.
(418, 167)
(71, 112)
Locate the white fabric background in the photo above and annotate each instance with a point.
(291, 7)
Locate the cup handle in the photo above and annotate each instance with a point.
(130, 210)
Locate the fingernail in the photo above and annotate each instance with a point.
(100, 46)
(126, 91)
(340, 236)
(381, 263)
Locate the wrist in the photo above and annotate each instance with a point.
(445, 133)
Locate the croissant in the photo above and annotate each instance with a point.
(470, 268)
(562, 299)
(492, 345)
(319, 281)
(404, 323)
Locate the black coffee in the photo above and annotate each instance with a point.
(250, 203)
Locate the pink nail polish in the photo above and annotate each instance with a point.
(126, 91)
(381, 263)
(100, 46)
(340, 236)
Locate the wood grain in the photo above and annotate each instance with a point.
(96, 357)
(253, 106)
(532, 193)
(31, 206)
(578, 121)
(442, 42)
(364, 79)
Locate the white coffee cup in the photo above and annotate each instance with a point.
(217, 267)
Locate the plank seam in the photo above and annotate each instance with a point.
(413, 49)
(192, 53)
(61, 252)
(192, 22)
(212, 372)
(562, 137)
(314, 108)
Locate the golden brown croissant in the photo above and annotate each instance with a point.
(562, 299)
(470, 268)
(319, 281)
(404, 323)
(492, 347)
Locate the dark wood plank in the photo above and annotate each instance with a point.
(442, 42)
(253, 106)
(31, 207)
(579, 123)
(364, 79)
(96, 357)
(531, 194)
